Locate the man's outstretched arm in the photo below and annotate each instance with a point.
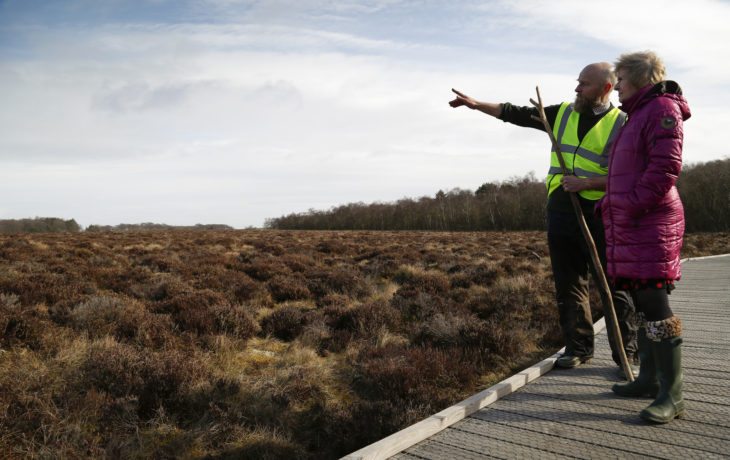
(490, 108)
(516, 115)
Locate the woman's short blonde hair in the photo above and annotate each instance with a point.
(641, 68)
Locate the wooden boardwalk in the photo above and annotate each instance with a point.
(574, 414)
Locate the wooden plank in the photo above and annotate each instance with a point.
(577, 422)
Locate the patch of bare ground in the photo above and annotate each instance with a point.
(260, 344)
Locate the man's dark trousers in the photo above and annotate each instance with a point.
(571, 263)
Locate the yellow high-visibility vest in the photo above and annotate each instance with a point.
(587, 158)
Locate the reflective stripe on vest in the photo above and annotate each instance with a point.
(586, 158)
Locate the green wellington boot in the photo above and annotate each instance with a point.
(668, 361)
(646, 384)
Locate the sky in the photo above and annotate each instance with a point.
(234, 111)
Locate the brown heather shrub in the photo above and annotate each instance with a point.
(268, 247)
(428, 281)
(159, 288)
(261, 444)
(460, 280)
(517, 265)
(22, 381)
(68, 425)
(298, 263)
(238, 286)
(215, 391)
(285, 323)
(368, 421)
(234, 320)
(412, 376)
(244, 257)
(296, 386)
(191, 310)
(289, 393)
(265, 268)
(704, 244)
(9, 306)
(381, 266)
(243, 288)
(405, 254)
(483, 274)
(317, 335)
(153, 380)
(123, 280)
(22, 326)
(366, 253)
(416, 305)
(446, 330)
(161, 438)
(110, 424)
(156, 331)
(26, 414)
(164, 374)
(41, 418)
(160, 262)
(459, 296)
(333, 300)
(14, 249)
(125, 319)
(339, 280)
(503, 341)
(113, 367)
(363, 320)
(293, 287)
(331, 246)
(106, 315)
(513, 297)
(41, 287)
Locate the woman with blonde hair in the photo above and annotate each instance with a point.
(644, 222)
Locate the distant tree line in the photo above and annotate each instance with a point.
(38, 225)
(705, 191)
(153, 226)
(54, 224)
(515, 204)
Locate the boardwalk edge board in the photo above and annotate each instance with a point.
(411, 435)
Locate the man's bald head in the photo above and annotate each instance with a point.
(595, 83)
(601, 71)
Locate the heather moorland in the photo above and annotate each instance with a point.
(260, 343)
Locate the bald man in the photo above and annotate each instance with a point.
(585, 130)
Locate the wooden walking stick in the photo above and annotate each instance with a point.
(589, 240)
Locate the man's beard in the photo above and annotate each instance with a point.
(583, 105)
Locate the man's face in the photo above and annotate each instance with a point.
(589, 91)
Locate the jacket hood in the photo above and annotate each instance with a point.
(668, 88)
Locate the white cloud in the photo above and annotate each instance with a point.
(690, 36)
(231, 123)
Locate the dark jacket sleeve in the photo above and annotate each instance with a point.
(522, 116)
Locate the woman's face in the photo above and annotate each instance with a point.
(623, 86)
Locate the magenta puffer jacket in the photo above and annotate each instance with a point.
(642, 213)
